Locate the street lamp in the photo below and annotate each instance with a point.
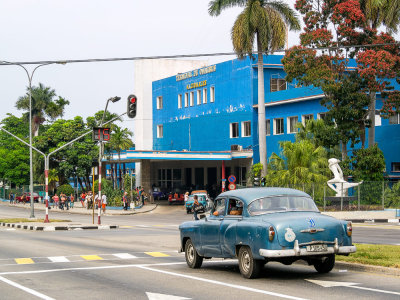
(113, 100)
(30, 77)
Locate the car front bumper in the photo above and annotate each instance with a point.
(297, 251)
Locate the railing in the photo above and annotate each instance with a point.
(367, 196)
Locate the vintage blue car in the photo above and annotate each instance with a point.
(258, 225)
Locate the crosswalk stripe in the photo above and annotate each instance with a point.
(156, 254)
(24, 261)
(91, 257)
(124, 255)
(59, 259)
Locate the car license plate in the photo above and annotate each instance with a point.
(317, 248)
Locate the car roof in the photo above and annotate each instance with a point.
(248, 194)
(199, 192)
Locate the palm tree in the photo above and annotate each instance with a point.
(120, 140)
(377, 13)
(264, 21)
(43, 105)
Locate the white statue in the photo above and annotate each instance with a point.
(338, 184)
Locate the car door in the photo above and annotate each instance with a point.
(210, 231)
(228, 226)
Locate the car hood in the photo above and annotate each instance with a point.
(305, 227)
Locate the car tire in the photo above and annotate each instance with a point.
(325, 265)
(249, 267)
(193, 259)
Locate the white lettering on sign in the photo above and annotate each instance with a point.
(195, 73)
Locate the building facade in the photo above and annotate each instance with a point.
(204, 123)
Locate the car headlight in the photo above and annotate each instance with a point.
(349, 230)
(271, 233)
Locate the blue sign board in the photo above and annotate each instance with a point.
(232, 178)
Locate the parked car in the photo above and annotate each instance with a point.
(158, 193)
(258, 225)
(202, 200)
(27, 197)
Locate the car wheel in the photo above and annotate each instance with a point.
(325, 265)
(193, 259)
(249, 267)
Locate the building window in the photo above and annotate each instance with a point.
(306, 118)
(395, 119)
(321, 116)
(246, 128)
(159, 102)
(180, 101)
(278, 126)
(268, 127)
(198, 97)
(395, 166)
(186, 100)
(191, 98)
(169, 178)
(204, 96)
(234, 130)
(212, 94)
(277, 84)
(159, 131)
(292, 122)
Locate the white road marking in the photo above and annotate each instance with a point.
(155, 296)
(28, 290)
(240, 287)
(124, 255)
(58, 259)
(348, 284)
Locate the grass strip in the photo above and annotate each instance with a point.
(24, 220)
(375, 255)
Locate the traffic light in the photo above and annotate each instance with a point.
(132, 100)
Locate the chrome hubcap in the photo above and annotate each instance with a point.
(245, 261)
(190, 253)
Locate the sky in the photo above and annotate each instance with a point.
(42, 30)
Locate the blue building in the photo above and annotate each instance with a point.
(205, 122)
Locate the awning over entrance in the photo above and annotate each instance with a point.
(138, 155)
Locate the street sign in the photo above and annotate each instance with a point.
(232, 186)
(101, 134)
(232, 178)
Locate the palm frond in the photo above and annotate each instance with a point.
(216, 6)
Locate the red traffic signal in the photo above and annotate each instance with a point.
(132, 101)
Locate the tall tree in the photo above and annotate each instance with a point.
(44, 105)
(120, 140)
(262, 24)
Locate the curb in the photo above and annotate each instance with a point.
(57, 228)
(367, 268)
(374, 220)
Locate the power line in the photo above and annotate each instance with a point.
(89, 60)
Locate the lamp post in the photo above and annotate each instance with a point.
(30, 77)
(113, 100)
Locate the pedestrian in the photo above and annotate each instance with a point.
(23, 198)
(83, 197)
(141, 194)
(197, 207)
(88, 200)
(56, 200)
(104, 202)
(125, 200)
(11, 198)
(63, 199)
(186, 198)
(72, 200)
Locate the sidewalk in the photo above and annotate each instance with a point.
(77, 209)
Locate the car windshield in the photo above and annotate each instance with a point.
(281, 203)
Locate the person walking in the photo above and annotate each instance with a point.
(72, 200)
(186, 198)
(56, 200)
(197, 207)
(11, 198)
(83, 198)
(103, 202)
(125, 200)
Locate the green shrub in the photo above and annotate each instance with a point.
(65, 189)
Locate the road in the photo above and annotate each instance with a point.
(140, 261)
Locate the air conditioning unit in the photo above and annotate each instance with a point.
(236, 147)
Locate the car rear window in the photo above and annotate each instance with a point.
(281, 203)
